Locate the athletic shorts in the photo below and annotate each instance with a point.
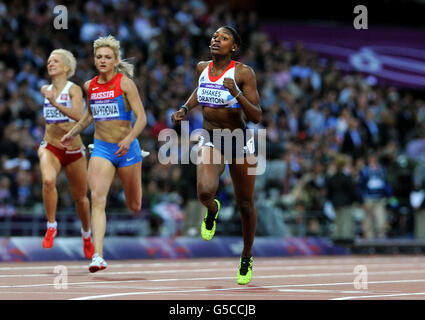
(107, 151)
(65, 156)
(232, 144)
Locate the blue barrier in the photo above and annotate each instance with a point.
(119, 248)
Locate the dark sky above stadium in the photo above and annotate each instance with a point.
(408, 13)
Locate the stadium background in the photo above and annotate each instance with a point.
(304, 91)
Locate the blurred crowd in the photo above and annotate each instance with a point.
(319, 121)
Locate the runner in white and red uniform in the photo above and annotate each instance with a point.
(227, 92)
(63, 105)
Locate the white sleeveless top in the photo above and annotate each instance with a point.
(53, 115)
(211, 92)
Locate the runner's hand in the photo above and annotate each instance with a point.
(124, 146)
(178, 116)
(49, 96)
(66, 140)
(230, 85)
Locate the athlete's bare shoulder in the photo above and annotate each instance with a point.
(244, 73)
(43, 88)
(75, 89)
(243, 69)
(127, 83)
(87, 84)
(126, 80)
(201, 66)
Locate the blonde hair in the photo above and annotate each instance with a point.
(340, 162)
(68, 59)
(114, 44)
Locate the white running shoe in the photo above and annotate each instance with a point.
(145, 153)
(97, 263)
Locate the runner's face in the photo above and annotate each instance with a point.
(56, 66)
(105, 60)
(222, 42)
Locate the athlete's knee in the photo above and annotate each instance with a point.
(80, 199)
(205, 193)
(246, 206)
(49, 184)
(98, 199)
(135, 205)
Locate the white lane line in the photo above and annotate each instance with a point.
(381, 296)
(260, 268)
(112, 265)
(97, 287)
(113, 295)
(403, 272)
(318, 291)
(288, 261)
(110, 273)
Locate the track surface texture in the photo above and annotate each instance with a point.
(395, 277)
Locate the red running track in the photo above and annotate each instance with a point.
(290, 278)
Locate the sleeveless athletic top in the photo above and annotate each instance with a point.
(107, 101)
(53, 115)
(211, 92)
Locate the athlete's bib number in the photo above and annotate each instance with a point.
(52, 115)
(105, 111)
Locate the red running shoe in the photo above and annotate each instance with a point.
(88, 248)
(49, 237)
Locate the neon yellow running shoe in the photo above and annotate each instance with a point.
(208, 225)
(245, 270)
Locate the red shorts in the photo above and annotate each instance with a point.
(65, 156)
